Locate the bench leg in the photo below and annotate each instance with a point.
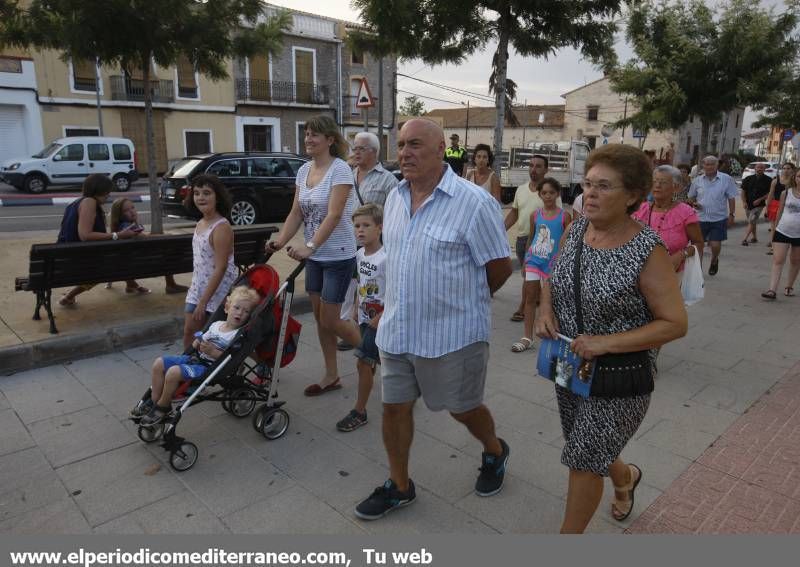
(39, 303)
(49, 310)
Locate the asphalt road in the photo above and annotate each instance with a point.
(48, 217)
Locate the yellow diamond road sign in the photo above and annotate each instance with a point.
(364, 98)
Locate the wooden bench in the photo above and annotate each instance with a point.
(69, 264)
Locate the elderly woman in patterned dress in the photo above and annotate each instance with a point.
(630, 304)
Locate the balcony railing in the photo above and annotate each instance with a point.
(125, 88)
(281, 91)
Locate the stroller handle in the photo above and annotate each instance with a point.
(264, 259)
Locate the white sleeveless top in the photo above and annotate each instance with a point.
(789, 224)
(486, 184)
(203, 261)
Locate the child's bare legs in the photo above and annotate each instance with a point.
(366, 376)
(531, 290)
(157, 382)
(172, 380)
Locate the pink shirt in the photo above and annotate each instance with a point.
(670, 226)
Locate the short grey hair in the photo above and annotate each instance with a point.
(672, 171)
(371, 140)
(711, 159)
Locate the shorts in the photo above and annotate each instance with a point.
(189, 370)
(330, 279)
(190, 307)
(453, 382)
(716, 231)
(520, 247)
(754, 214)
(783, 239)
(368, 350)
(533, 276)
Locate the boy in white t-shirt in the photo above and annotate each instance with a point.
(168, 371)
(371, 265)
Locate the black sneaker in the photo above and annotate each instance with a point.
(384, 499)
(142, 408)
(352, 421)
(493, 470)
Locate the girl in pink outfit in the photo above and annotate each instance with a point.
(675, 222)
(212, 251)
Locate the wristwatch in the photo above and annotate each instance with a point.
(311, 245)
(114, 236)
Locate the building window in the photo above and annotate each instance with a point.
(187, 78)
(301, 138)
(257, 138)
(72, 132)
(10, 65)
(357, 57)
(84, 75)
(305, 74)
(197, 142)
(591, 112)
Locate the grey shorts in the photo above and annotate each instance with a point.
(754, 214)
(452, 382)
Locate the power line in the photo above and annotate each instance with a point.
(430, 97)
(455, 90)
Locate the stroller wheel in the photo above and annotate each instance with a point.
(226, 405)
(243, 402)
(150, 434)
(184, 457)
(272, 423)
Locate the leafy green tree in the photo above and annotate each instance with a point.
(412, 106)
(782, 108)
(138, 33)
(439, 32)
(692, 59)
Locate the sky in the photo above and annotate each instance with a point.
(539, 81)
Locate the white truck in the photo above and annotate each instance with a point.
(566, 163)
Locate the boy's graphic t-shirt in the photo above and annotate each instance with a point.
(217, 337)
(371, 283)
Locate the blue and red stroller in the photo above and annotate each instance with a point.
(231, 379)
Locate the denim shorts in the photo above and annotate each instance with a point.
(716, 231)
(330, 279)
(190, 307)
(189, 370)
(368, 350)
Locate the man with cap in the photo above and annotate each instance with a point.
(456, 156)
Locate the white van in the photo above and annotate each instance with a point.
(68, 161)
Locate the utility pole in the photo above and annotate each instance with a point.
(384, 149)
(524, 121)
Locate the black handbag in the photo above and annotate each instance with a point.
(622, 375)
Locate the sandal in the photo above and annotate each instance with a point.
(769, 294)
(621, 509)
(789, 292)
(745, 243)
(517, 317)
(64, 302)
(317, 390)
(522, 345)
(138, 289)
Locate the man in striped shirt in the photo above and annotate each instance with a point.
(446, 254)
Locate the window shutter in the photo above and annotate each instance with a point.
(186, 79)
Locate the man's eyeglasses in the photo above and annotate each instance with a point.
(361, 148)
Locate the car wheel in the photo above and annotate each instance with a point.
(34, 183)
(244, 211)
(122, 182)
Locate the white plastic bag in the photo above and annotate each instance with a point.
(348, 307)
(692, 284)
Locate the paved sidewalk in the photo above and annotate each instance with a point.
(70, 462)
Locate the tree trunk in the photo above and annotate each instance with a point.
(500, 82)
(704, 126)
(156, 222)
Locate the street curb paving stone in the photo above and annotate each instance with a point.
(16, 358)
(45, 201)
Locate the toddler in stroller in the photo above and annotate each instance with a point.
(169, 371)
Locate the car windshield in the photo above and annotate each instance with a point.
(48, 151)
(183, 168)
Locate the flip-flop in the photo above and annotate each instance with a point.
(138, 289)
(789, 292)
(317, 390)
(769, 294)
(631, 489)
(518, 317)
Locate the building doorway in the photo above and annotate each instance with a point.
(257, 138)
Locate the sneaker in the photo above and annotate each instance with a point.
(384, 499)
(343, 345)
(142, 408)
(156, 416)
(352, 421)
(493, 470)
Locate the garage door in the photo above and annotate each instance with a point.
(12, 132)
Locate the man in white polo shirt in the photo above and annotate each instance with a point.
(446, 254)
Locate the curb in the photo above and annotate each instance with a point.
(45, 201)
(56, 350)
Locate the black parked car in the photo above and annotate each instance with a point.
(262, 185)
